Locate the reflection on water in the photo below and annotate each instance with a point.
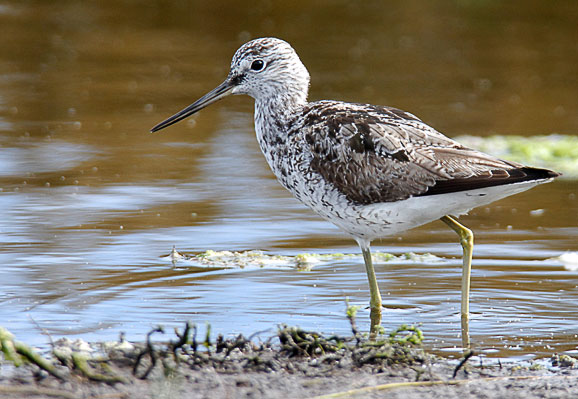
(92, 203)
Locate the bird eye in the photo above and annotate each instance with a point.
(257, 65)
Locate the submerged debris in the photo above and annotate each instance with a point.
(292, 363)
(564, 361)
(305, 261)
(18, 353)
(294, 345)
(292, 349)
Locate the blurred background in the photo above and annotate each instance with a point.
(92, 203)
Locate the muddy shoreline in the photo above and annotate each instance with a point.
(290, 364)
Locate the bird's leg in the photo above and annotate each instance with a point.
(375, 301)
(467, 241)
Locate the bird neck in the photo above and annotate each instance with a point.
(272, 113)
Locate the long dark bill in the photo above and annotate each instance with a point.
(223, 90)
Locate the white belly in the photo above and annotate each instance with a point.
(383, 219)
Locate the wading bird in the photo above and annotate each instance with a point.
(372, 170)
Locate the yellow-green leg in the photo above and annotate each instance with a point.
(467, 242)
(375, 296)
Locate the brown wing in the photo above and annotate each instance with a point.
(379, 154)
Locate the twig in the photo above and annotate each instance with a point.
(351, 312)
(13, 350)
(38, 360)
(463, 362)
(257, 333)
(194, 344)
(81, 363)
(207, 342)
(150, 350)
(394, 385)
(183, 340)
(43, 330)
(29, 391)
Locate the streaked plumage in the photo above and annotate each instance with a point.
(371, 170)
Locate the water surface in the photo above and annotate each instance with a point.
(92, 203)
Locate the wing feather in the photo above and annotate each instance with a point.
(379, 154)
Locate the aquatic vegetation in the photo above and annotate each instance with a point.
(18, 353)
(555, 151)
(98, 362)
(304, 261)
(564, 361)
(414, 335)
(181, 362)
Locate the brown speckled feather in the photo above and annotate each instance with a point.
(380, 154)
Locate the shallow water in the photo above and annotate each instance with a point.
(92, 203)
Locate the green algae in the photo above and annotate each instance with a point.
(555, 151)
(303, 261)
(413, 335)
(18, 353)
